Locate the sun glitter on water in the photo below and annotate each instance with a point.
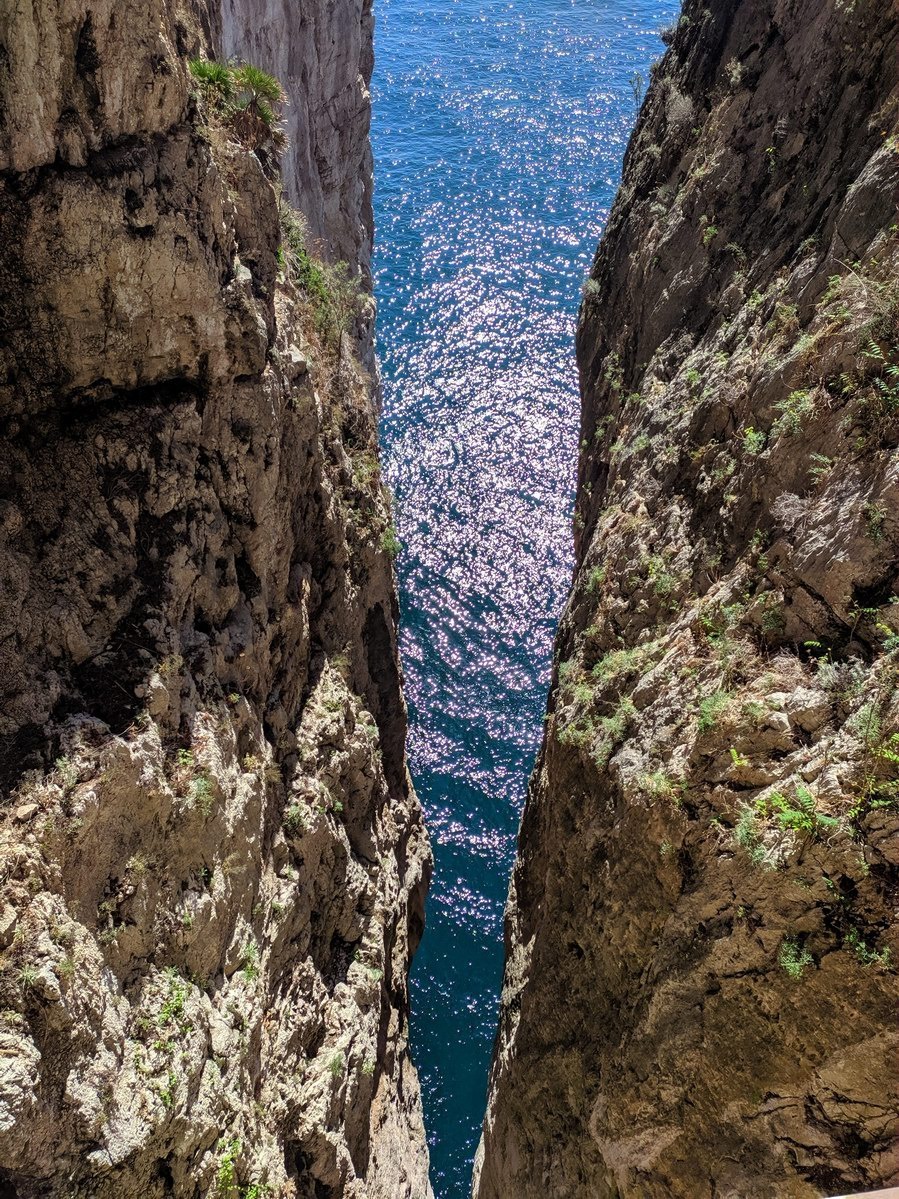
(498, 132)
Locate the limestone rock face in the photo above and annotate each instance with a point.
(322, 53)
(700, 987)
(213, 862)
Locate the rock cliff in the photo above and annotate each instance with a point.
(700, 989)
(322, 53)
(213, 863)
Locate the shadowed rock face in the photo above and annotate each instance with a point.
(700, 993)
(213, 863)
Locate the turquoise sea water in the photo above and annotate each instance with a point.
(499, 128)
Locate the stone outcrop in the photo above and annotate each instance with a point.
(322, 53)
(213, 862)
(700, 988)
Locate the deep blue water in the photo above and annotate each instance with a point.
(499, 127)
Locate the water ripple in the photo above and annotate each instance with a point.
(499, 127)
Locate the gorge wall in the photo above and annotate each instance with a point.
(700, 990)
(213, 862)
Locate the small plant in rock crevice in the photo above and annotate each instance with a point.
(201, 795)
(336, 1065)
(171, 1011)
(390, 542)
(595, 579)
(875, 518)
(794, 410)
(800, 814)
(793, 958)
(27, 978)
(250, 959)
(67, 772)
(711, 709)
(865, 954)
(733, 72)
(226, 1175)
(658, 784)
(294, 820)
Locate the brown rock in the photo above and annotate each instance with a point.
(199, 666)
(698, 997)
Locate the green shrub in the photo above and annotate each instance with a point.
(226, 1176)
(785, 318)
(201, 795)
(748, 834)
(613, 372)
(664, 582)
(251, 961)
(333, 296)
(793, 412)
(390, 542)
(167, 1092)
(67, 773)
(865, 954)
(612, 730)
(875, 517)
(27, 978)
(172, 1009)
(660, 785)
(366, 470)
(294, 824)
(753, 440)
(595, 579)
(733, 71)
(821, 466)
(801, 814)
(336, 1065)
(620, 662)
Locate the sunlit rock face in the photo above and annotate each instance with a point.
(700, 994)
(213, 863)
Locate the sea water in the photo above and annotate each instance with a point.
(499, 128)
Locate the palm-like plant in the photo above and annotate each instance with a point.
(259, 100)
(247, 97)
(216, 80)
(262, 91)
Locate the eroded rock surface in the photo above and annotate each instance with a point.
(700, 989)
(213, 863)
